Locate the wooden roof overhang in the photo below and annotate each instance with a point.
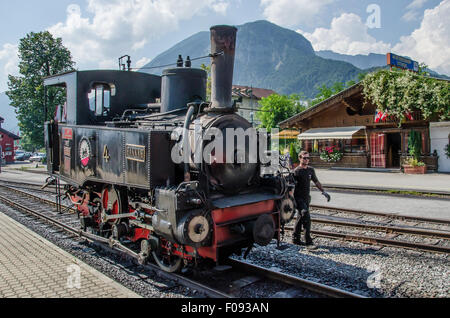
(351, 98)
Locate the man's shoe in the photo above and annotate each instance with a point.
(311, 247)
(297, 241)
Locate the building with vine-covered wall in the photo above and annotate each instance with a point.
(367, 137)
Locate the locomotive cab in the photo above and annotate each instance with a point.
(93, 98)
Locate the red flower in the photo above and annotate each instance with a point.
(329, 149)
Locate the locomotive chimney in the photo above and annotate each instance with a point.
(223, 44)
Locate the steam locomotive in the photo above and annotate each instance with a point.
(114, 146)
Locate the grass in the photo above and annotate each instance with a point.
(23, 168)
(415, 193)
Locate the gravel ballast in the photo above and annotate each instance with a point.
(361, 269)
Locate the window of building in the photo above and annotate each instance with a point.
(356, 145)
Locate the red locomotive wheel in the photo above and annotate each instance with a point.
(114, 202)
(167, 262)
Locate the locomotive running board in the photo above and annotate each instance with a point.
(243, 199)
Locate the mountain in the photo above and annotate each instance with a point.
(267, 56)
(361, 61)
(368, 63)
(8, 113)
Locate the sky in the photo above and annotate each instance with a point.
(98, 32)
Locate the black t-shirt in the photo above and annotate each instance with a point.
(303, 178)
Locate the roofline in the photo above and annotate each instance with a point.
(93, 70)
(59, 74)
(322, 103)
(10, 134)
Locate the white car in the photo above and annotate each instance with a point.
(37, 157)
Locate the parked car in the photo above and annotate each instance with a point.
(20, 156)
(38, 157)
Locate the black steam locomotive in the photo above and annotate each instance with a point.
(114, 146)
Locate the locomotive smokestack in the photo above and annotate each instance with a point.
(223, 42)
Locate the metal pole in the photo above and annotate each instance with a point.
(45, 104)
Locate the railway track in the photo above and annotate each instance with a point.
(26, 203)
(390, 191)
(394, 232)
(340, 222)
(381, 214)
(51, 189)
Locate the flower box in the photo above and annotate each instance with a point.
(408, 169)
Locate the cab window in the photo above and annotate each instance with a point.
(100, 99)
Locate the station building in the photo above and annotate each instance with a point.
(7, 143)
(365, 141)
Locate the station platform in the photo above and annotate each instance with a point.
(32, 267)
(426, 207)
(423, 207)
(376, 180)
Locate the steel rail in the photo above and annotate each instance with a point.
(30, 186)
(384, 228)
(384, 214)
(293, 280)
(382, 241)
(374, 240)
(389, 191)
(30, 195)
(210, 292)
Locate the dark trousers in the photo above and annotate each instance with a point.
(303, 220)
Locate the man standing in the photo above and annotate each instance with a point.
(303, 175)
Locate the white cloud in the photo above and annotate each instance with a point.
(413, 12)
(220, 7)
(292, 12)
(348, 34)
(9, 64)
(430, 43)
(410, 15)
(121, 26)
(416, 4)
(142, 62)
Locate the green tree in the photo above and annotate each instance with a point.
(40, 55)
(326, 92)
(276, 108)
(361, 76)
(293, 153)
(207, 69)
